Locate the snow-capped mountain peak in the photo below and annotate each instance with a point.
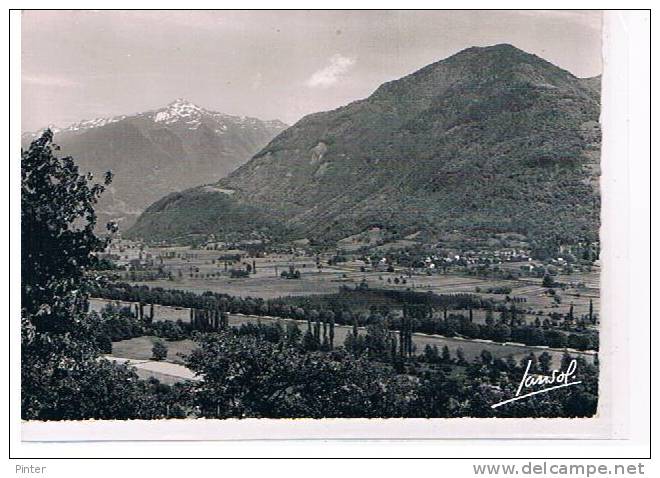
(178, 113)
(78, 126)
(94, 123)
(184, 104)
(179, 109)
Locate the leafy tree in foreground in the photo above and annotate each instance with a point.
(248, 377)
(57, 234)
(62, 376)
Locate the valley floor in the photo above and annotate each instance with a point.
(200, 270)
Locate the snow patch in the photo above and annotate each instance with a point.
(178, 110)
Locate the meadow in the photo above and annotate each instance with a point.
(139, 348)
(199, 270)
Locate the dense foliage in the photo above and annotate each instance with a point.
(62, 376)
(205, 210)
(347, 308)
(57, 233)
(248, 377)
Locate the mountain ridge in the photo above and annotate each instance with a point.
(168, 110)
(160, 151)
(423, 153)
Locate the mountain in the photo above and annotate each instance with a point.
(490, 140)
(593, 83)
(158, 152)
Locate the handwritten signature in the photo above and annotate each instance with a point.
(561, 379)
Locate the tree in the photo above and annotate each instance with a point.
(248, 377)
(460, 356)
(556, 339)
(548, 281)
(293, 333)
(490, 320)
(446, 355)
(104, 343)
(431, 353)
(376, 339)
(532, 360)
(579, 342)
(62, 376)
(545, 362)
(332, 330)
(159, 350)
(502, 333)
(57, 234)
(309, 342)
(354, 342)
(62, 379)
(486, 357)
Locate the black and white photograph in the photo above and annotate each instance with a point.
(236, 216)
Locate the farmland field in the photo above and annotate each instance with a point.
(200, 271)
(139, 348)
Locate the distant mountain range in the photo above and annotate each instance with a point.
(155, 153)
(491, 140)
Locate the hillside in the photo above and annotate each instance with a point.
(487, 141)
(158, 152)
(199, 212)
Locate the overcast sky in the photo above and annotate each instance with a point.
(84, 65)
